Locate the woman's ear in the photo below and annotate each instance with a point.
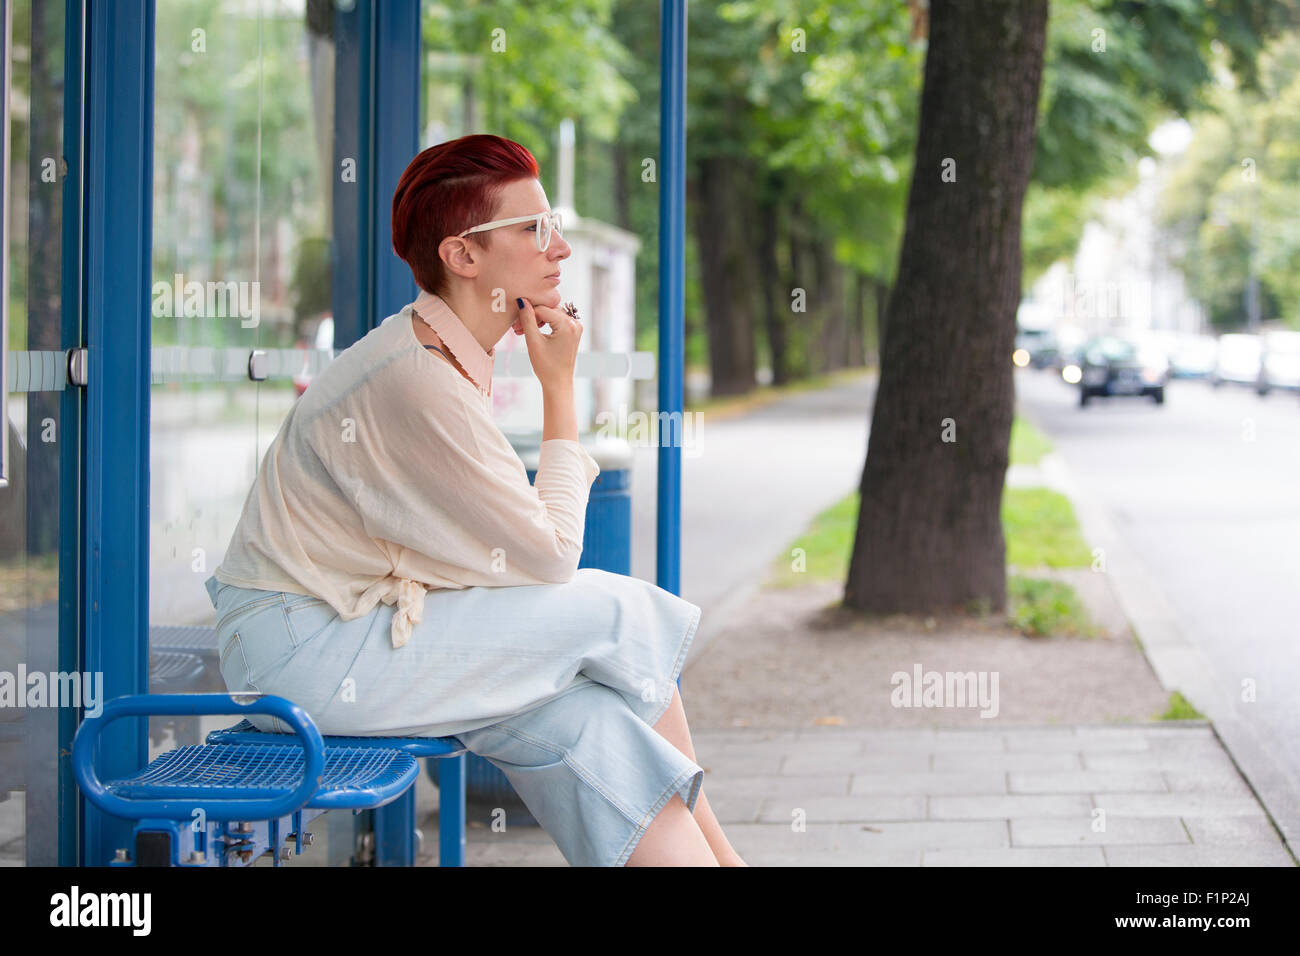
(458, 257)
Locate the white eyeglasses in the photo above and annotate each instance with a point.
(546, 221)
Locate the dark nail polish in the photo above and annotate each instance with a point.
(521, 302)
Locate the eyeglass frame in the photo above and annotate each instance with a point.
(556, 226)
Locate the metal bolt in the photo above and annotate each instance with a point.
(121, 855)
(285, 853)
(197, 858)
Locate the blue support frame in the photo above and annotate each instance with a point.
(377, 127)
(672, 289)
(71, 620)
(118, 219)
(349, 274)
(378, 123)
(396, 140)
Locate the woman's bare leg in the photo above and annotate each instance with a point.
(672, 727)
(673, 839)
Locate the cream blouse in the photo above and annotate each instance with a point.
(389, 477)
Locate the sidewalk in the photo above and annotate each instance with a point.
(899, 786)
(1011, 797)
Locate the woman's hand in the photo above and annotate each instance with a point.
(553, 356)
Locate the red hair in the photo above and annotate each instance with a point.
(447, 189)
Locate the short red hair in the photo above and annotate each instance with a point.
(447, 189)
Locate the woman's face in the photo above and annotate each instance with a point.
(513, 262)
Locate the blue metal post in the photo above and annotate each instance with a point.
(71, 410)
(118, 218)
(350, 289)
(672, 224)
(394, 140)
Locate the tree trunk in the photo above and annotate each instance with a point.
(855, 343)
(929, 531)
(727, 272)
(622, 197)
(882, 306)
(776, 303)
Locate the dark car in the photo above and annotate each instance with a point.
(1118, 365)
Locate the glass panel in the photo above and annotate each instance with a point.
(579, 87)
(243, 148)
(30, 585)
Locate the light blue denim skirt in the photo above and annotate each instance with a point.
(558, 685)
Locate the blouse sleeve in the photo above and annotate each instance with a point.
(440, 478)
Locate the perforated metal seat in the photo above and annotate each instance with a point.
(353, 777)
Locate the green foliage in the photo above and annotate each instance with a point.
(1180, 708)
(1114, 69)
(1234, 195)
(1041, 608)
(1041, 530)
(1028, 444)
(824, 549)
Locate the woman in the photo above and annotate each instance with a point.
(389, 479)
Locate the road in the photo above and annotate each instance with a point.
(1199, 505)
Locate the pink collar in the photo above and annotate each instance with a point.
(437, 315)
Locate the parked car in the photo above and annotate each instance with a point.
(1279, 362)
(1122, 365)
(1039, 346)
(1237, 360)
(1193, 356)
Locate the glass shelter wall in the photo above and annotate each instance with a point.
(42, 443)
(241, 298)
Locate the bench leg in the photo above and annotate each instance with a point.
(395, 831)
(451, 811)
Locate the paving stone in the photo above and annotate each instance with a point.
(1084, 781)
(858, 837)
(1182, 730)
(1045, 831)
(855, 858)
(1158, 758)
(1182, 804)
(1231, 830)
(997, 807)
(806, 763)
(843, 809)
(1062, 760)
(801, 787)
(1215, 856)
(1224, 781)
(749, 764)
(1016, 856)
(1041, 741)
(778, 749)
(959, 782)
(733, 808)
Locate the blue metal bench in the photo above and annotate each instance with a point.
(243, 794)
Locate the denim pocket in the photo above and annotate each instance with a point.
(305, 617)
(234, 666)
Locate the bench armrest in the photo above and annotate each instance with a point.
(222, 808)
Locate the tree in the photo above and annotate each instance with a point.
(929, 526)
